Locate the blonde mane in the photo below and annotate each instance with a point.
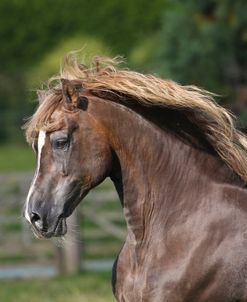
(104, 76)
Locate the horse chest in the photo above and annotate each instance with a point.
(135, 279)
(129, 283)
(143, 281)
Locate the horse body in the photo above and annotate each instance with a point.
(180, 238)
(184, 204)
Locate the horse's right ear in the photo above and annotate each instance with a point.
(42, 94)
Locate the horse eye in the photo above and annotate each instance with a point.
(61, 143)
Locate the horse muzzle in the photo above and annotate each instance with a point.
(47, 228)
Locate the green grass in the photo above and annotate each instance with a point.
(7, 258)
(12, 227)
(110, 205)
(16, 158)
(86, 287)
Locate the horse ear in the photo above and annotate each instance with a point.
(71, 94)
(42, 94)
(68, 91)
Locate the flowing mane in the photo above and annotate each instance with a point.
(104, 76)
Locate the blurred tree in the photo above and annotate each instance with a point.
(31, 28)
(205, 43)
(49, 66)
(13, 105)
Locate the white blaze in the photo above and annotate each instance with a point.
(41, 142)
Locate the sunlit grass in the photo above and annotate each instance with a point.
(16, 158)
(86, 287)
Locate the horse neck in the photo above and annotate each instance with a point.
(152, 171)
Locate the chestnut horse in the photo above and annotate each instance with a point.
(178, 164)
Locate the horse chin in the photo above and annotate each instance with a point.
(59, 230)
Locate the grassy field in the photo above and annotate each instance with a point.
(86, 287)
(16, 158)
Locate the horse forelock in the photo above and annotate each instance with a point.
(104, 76)
(42, 118)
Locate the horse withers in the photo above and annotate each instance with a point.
(178, 164)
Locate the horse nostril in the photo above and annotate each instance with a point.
(38, 221)
(35, 217)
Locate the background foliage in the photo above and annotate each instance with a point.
(30, 30)
(205, 43)
(193, 42)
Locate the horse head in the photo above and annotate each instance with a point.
(72, 157)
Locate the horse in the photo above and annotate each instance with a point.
(179, 166)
